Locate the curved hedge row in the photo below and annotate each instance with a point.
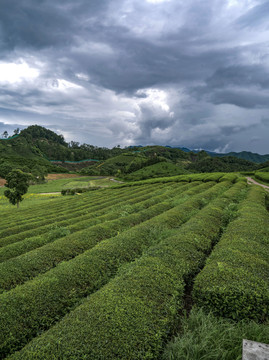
(88, 217)
(63, 206)
(235, 281)
(45, 299)
(229, 177)
(131, 316)
(263, 176)
(89, 211)
(115, 209)
(24, 267)
(47, 210)
(18, 232)
(178, 178)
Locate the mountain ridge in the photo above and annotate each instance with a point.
(246, 155)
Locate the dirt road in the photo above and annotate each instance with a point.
(251, 181)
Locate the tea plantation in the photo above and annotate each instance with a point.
(113, 273)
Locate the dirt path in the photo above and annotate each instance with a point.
(50, 193)
(251, 181)
(2, 182)
(117, 181)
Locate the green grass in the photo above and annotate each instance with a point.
(206, 337)
(91, 182)
(30, 200)
(58, 185)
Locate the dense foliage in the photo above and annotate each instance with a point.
(17, 184)
(263, 176)
(225, 164)
(37, 145)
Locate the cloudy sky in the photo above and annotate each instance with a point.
(171, 72)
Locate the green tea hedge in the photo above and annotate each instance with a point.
(24, 267)
(131, 316)
(18, 232)
(45, 299)
(263, 176)
(235, 281)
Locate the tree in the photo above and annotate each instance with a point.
(5, 168)
(39, 173)
(16, 131)
(5, 134)
(18, 183)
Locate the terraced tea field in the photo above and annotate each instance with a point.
(108, 274)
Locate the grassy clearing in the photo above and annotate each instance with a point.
(59, 184)
(203, 336)
(81, 183)
(30, 200)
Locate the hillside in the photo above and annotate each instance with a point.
(161, 169)
(225, 164)
(37, 146)
(19, 153)
(138, 164)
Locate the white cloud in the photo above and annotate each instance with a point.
(154, 97)
(61, 85)
(15, 72)
(157, 1)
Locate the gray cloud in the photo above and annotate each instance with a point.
(190, 73)
(240, 75)
(256, 16)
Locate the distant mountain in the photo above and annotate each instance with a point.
(245, 155)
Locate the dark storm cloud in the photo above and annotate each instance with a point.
(207, 60)
(243, 75)
(42, 24)
(246, 86)
(241, 98)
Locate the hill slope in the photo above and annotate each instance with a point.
(38, 146)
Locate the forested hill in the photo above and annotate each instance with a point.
(54, 147)
(37, 146)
